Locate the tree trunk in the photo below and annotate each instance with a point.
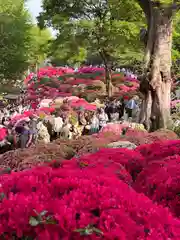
(156, 85)
(108, 81)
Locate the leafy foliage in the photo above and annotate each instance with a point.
(176, 44)
(94, 27)
(88, 27)
(40, 41)
(14, 38)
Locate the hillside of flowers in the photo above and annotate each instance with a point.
(108, 194)
(96, 193)
(88, 83)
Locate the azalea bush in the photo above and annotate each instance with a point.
(114, 161)
(160, 171)
(159, 180)
(159, 150)
(35, 155)
(67, 203)
(142, 137)
(90, 144)
(59, 149)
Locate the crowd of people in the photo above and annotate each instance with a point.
(61, 124)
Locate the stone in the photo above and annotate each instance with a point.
(122, 144)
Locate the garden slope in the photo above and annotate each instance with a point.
(98, 195)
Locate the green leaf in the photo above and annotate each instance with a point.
(33, 222)
(2, 196)
(89, 230)
(98, 231)
(51, 221)
(79, 230)
(43, 213)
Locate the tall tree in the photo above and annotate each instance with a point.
(15, 39)
(156, 83)
(95, 24)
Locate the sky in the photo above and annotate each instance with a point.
(34, 7)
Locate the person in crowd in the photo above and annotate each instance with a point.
(121, 109)
(6, 121)
(33, 128)
(107, 108)
(94, 126)
(42, 132)
(130, 106)
(87, 116)
(1, 116)
(58, 123)
(103, 118)
(65, 131)
(26, 136)
(82, 120)
(114, 110)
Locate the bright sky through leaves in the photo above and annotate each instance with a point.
(34, 7)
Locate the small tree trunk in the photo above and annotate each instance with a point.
(108, 80)
(156, 86)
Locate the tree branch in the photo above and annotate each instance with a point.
(146, 7)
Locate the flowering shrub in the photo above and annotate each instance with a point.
(152, 151)
(36, 155)
(81, 103)
(90, 144)
(59, 149)
(159, 180)
(113, 127)
(114, 160)
(175, 103)
(142, 137)
(3, 133)
(65, 203)
(158, 151)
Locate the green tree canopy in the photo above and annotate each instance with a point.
(95, 27)
(40, 42)
(15, 39)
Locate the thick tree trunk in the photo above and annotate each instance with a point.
(156, 85)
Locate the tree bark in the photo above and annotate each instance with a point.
(156, 85)
(108, 81)
(108, 78)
